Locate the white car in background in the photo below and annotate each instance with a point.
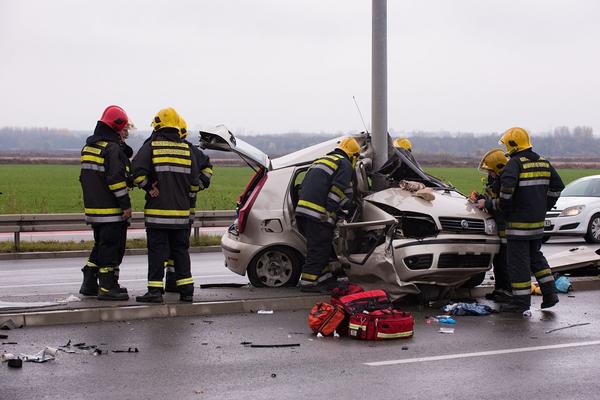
(577, 211)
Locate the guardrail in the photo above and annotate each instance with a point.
(18, 223)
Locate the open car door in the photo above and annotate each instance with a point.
(221, 139)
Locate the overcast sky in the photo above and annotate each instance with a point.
(268, 66)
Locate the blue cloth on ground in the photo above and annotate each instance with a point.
(467, 309)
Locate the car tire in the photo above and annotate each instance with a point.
(593, 230)
(545, 239)
(275, 267)
(474, 281)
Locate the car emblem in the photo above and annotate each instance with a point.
(464, 224)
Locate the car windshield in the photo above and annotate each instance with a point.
(582, 188)
(403, 166)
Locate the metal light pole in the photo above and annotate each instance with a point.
(379, 84)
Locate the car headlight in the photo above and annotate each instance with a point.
(490, 227)
(571, 211)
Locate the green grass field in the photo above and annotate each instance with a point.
(33, 189)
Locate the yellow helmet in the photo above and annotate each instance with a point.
(515, 139)
(350, 146)
(166, 118)
(182, 128)
(494, 160)
(403, 143)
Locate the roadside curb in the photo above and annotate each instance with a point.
(84, 253)
(133, 312)
(123, 313)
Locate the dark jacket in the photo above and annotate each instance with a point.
(167, 160)
(492, 204)
(103, 177)
(530, 187)
(326, 188)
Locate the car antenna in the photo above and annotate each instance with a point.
(361, 116)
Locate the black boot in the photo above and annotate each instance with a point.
(108, 290)
(89, 287)
(153, 295)
(518, 304)
(549, 296)
(171, 282)
(121, 288)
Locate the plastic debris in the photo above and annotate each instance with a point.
(319, 335)
(563, 285)
(264, 312)
(222, 285)
(48, 354)
(448, 331)
(10, 343)
(266, 346)
(9, 324)
(445, 319)
(567, 327)
(404, 347)
(527, 314)
(72, 298)
(3, 336)
(246, 343)
(468, 309)
(15, 363)
(335, 334)
(273, 375)
(129, 350)
(7, 356)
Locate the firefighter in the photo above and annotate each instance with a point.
(104, 176)
(325, 190)
(530, 186)
(166, 169)
(492, 163)
(403, 143)
(205, 168)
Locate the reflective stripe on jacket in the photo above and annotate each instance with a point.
(104, 175)
(530, 187)
(326, 188)
(169, 162)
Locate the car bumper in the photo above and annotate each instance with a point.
(445, 259)
(567, 226)
(237, 254)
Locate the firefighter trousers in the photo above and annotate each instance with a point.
(319, 237)
(501, 278)
(109, 244)
(173, 243)
(525, 258)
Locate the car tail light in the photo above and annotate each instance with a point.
(248, 197)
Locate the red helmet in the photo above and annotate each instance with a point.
(115, 117)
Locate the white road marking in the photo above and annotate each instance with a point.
(481, 353)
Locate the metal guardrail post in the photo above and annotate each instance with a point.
(196, 233)
(17, 241)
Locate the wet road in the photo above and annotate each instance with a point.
(60, 277)
(491, 357)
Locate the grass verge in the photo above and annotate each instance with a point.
(26, 246)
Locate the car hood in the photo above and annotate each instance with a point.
(446, 203)
(565, 202)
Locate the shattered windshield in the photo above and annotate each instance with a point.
(403, 166)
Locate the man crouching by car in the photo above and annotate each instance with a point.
(325, 190)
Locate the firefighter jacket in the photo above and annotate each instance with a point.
(326, 188)
(205, 175)
(492, 204)
(103, 177)
(530, 186)
(169, 162)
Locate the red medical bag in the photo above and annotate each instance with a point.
(325, 318)
(381, 325)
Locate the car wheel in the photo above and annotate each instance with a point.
(593, 230)
(474, 281)
(275, 267)
(545, 239)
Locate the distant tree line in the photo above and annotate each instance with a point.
(561, 142)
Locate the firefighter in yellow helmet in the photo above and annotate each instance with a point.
(530, 186)
(325, 190)
(403, 143)
(492, 164)
(205, 168)
(167, 160)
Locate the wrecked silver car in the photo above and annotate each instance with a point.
(394, 237)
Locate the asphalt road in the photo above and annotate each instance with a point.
(492, 357)
(61, 277)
